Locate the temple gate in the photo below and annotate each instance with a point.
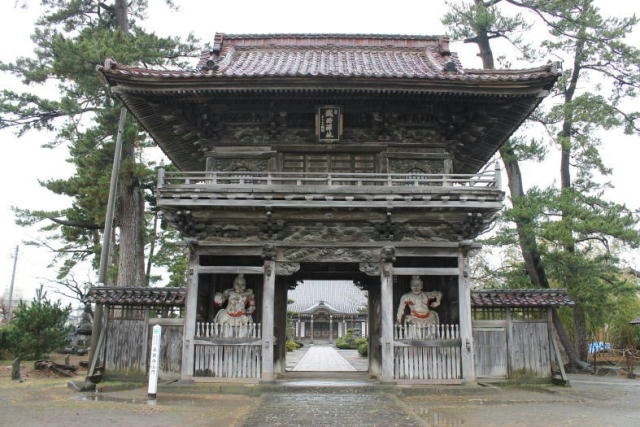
(330, 157)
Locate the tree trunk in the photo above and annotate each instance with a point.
(130, 198)
(131, 222)
(581, 333)
(527, 242)
(122, 20)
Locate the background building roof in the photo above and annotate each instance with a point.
(339, 296)
(520, 298)
(137, 297)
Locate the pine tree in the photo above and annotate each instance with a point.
(72, 38)
(38, 327)
(568, 236)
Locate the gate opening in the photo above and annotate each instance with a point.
(327, 327)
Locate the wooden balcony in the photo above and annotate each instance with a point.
(289, 189)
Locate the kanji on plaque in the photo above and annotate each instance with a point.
(329, 123)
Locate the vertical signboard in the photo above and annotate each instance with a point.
(329, 123)
(154, 361)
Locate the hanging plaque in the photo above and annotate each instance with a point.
(329, 123)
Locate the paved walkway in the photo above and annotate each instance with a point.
(350, 407)
(322, 358)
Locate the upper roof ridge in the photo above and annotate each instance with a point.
(329, 39)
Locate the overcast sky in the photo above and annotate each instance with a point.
(24, 162)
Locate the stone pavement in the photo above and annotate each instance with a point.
(349, 407)
(322, 358)
(330, 399)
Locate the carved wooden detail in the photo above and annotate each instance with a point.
(287, 268)
(388, 254)
(329, 232)
(329, 254)
(471, 226)
(397, 165)
(239, 164)
(370, 268)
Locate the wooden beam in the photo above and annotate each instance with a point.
(217, 269)
(428, 271)
(315, 204)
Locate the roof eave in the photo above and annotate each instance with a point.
(479, 87)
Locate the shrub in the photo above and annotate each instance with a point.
(363, 349)
(292, 345)
(38, 328)
(349, 341)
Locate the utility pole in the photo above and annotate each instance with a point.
(13, 279)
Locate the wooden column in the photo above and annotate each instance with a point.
(386, 314)
(189, 328)
(466, 335)
(280, 327)
(330, 328)
(268, 299)
(312, 329)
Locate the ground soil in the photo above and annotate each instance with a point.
(43, 399)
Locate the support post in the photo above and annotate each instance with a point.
(312, 329)
(189, 328)
(466, 333)
(99, 317)
(268, 299)
(386, 312)
(9, 318)
(330, 328)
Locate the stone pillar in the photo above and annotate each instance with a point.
(386, 314)
(302, 329)
(268, 299)
(191, 307)
(363, 329)
(466, 333)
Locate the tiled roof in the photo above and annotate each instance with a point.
(334, 296)
(635, 321)
(520, 298)
(140, 297)
(329, 56)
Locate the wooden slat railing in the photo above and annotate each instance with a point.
(429, 354)
(430, 332)
(486, 179)
(218, 330)
(228, 361)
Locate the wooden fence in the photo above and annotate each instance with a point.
(429, 354)
(510, 348)
(128, 344)
(225, 351)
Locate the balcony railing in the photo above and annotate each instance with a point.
(488, 179)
